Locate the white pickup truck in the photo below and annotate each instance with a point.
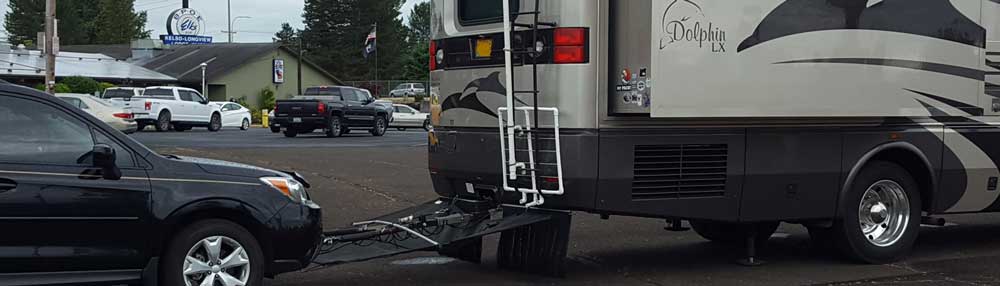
(177, 107)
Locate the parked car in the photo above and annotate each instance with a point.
(118, 117)
(407, 90)
(334, 109)
(234, 115)
(85, 204)
(407, 117)
(121, 96)
(275, 128)
(178, 107)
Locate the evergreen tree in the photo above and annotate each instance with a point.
(77, 25)
(117, 23)
(24, 20)
(336, 30)
(417, 66)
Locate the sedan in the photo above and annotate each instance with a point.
(407, 117)
(118, 117)
(234, 115)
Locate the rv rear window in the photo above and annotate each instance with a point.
(479, 12)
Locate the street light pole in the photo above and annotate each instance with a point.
(50, 57)
(204, 84)
(233, 23)
(229, 15)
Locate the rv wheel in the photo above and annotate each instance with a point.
(880, 214)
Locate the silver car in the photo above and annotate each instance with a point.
(118, 117)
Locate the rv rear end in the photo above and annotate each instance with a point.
(837, 114)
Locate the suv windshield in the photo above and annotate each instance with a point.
(118, 93)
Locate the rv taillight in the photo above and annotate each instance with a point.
(433, 53)
(569, 36)
(321, 108)
(149, 105)
(570, 45)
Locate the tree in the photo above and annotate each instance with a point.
(79, 84)
(420, 23)
(287, 36)
(336, 32)
(117, 22)
(77, 25)
(417, 66)
(24, 20)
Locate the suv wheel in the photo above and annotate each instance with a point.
(880, 214)
(213, 252)
(163, 121)
(215, 124)
(333, 127)
(380, 126)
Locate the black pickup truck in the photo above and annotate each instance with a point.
(334, 109)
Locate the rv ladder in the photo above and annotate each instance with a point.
(530, 145)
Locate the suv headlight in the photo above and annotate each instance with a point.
(288, 187)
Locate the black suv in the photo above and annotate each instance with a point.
(81, 202)
(334, 109)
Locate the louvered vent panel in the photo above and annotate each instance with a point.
(679, 171)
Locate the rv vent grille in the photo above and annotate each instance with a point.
(679, 171)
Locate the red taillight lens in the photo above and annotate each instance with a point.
(149, 105)
(569, 55)
(123, 115)
(321, 108)
(433, 55)
(569, 36)
(570, 45)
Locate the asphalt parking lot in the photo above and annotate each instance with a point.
(359, 177)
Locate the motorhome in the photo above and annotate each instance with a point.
(859, 119)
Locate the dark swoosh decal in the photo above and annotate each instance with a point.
(973, 110)
(490, 84)
(917, 65)
(929, 18)
(935, 112)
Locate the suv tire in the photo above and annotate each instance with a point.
(193, 243)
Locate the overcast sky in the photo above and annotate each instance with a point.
(266, 16)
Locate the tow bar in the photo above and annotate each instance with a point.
(531, 240)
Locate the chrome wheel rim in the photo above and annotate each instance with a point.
(335, 125)
(216, 260)
(381, 126)
(884, 213)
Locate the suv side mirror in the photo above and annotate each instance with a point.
(105, 158)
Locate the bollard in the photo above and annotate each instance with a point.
(264, 119)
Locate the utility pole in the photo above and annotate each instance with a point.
(50, 57)
(185, 4)
(229, 17)
(378, 88)
(301, 54)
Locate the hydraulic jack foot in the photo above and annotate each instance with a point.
(751, 247)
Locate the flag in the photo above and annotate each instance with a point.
(370, 43)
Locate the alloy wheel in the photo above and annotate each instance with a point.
(884, 213)
(216, 260)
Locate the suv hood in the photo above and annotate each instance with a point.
(220, 167)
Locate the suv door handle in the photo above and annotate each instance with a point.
(7, 185)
